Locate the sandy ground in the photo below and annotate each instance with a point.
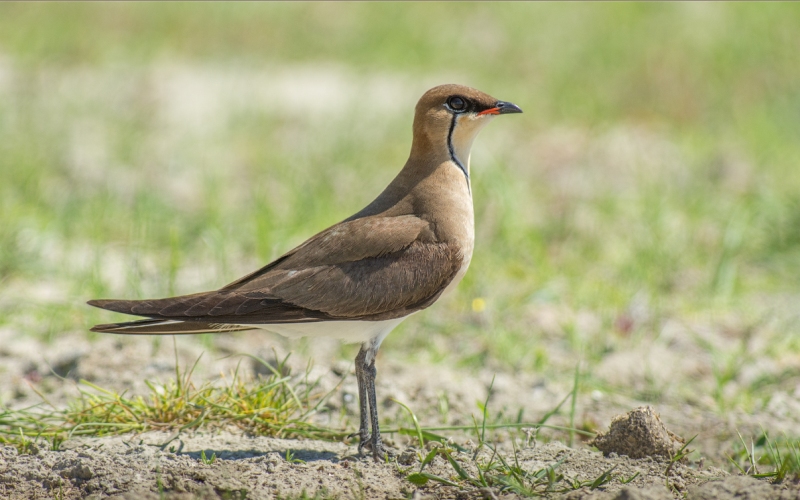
(256, 467)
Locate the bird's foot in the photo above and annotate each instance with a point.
(364, 444)
(379, 452)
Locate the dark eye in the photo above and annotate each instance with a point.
(457, 103)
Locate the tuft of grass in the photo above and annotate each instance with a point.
(475, 470)
(529, 429)
(292, 459)
(505, 476)
(278, 405)
(777, 459)
(208, 460)
(682, 453)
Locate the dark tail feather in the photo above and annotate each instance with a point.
(168, 327)
(151, 307)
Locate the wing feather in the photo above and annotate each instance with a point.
(373, 268)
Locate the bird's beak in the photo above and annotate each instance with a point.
(501, 108)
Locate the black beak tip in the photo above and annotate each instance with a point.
(507, 107)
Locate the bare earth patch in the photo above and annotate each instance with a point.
(257, 467)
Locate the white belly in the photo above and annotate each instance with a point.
(346, 331)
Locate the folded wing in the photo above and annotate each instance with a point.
(373, 268)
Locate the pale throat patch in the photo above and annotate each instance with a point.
(464, 133)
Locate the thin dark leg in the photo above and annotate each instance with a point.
(361, 377)
(377, 446)
(368, 403)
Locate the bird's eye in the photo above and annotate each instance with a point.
(457, 103)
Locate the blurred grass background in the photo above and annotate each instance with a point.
(653, 181)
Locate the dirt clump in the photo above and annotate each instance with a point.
(639, 433)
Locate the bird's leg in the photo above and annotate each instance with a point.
(378, 451)
(361, 377)
(368, 403)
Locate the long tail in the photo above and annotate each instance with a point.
(167, 327)
(160, 326)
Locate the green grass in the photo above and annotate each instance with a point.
(650, 186)
(278, 405)
(775, 459)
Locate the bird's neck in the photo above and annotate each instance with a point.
(434, 184)
(432, 188)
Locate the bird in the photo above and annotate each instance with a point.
(358, 279)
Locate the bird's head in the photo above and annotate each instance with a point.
(450, 116)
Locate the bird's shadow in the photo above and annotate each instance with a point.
(290, 454)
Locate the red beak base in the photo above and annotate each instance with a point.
(501, 108)
(490, 111)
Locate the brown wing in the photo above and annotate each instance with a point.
(370, 268)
